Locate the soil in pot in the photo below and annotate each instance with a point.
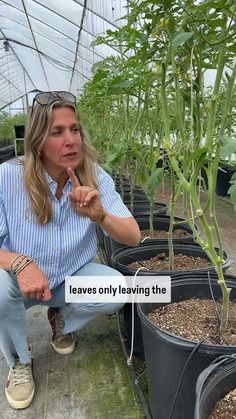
(122, 259)
(196, 318)
(225, 408)
(161, 225)
(181, 262)
(162, 234)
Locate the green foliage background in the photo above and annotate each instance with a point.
(7, 123)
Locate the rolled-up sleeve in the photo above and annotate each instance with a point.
(111, 199)
(3, 221)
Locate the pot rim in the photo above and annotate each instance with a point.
(178, 341)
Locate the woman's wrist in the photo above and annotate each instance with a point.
(20, 263)
(100, 219)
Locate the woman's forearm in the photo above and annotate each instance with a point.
(6, 259)
(123, 230)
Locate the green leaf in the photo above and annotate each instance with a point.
(142, 175)
(155, 180)
(98, 41)
(181, 38)
(232, 192)
(114, 157)
(111, 33)
(99, 76)
(171, 26)
(120, 85)
(228, 148)
(232, 48)
(197, 153)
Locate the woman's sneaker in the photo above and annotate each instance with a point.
(62, 344)
(20, 386)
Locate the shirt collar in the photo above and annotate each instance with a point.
(49, 179)
(53, 184)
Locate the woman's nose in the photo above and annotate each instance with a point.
(69, 137)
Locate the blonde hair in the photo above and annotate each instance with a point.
(37, 130)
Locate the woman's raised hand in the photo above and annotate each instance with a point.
(85, 200)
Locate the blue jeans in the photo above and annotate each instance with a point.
(13, 337)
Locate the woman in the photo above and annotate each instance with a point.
(50, 204)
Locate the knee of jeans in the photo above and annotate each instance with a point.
(8, 290)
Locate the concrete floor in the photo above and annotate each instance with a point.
(91, 383)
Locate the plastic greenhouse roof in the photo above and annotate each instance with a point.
(46, 44)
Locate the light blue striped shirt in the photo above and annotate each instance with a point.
(62, 246)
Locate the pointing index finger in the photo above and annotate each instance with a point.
(73, 177)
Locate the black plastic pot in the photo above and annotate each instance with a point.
(213, 384)
(126, 188)
(105, 249)
(167, 356)
(124, 182)
(139, 197)
(126, 317)
(6, 153)
(213, 275)
(160, 222)
(122, 257)
(142, 208)
(19, 131)
(224, 175)
(223, 179)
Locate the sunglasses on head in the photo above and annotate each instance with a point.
(45, 98)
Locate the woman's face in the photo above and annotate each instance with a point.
(63, 146)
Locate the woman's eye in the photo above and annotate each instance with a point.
(56, 133)
(76, 129)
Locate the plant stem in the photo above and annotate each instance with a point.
(226, 294)
(213, 105)
(170, 232)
